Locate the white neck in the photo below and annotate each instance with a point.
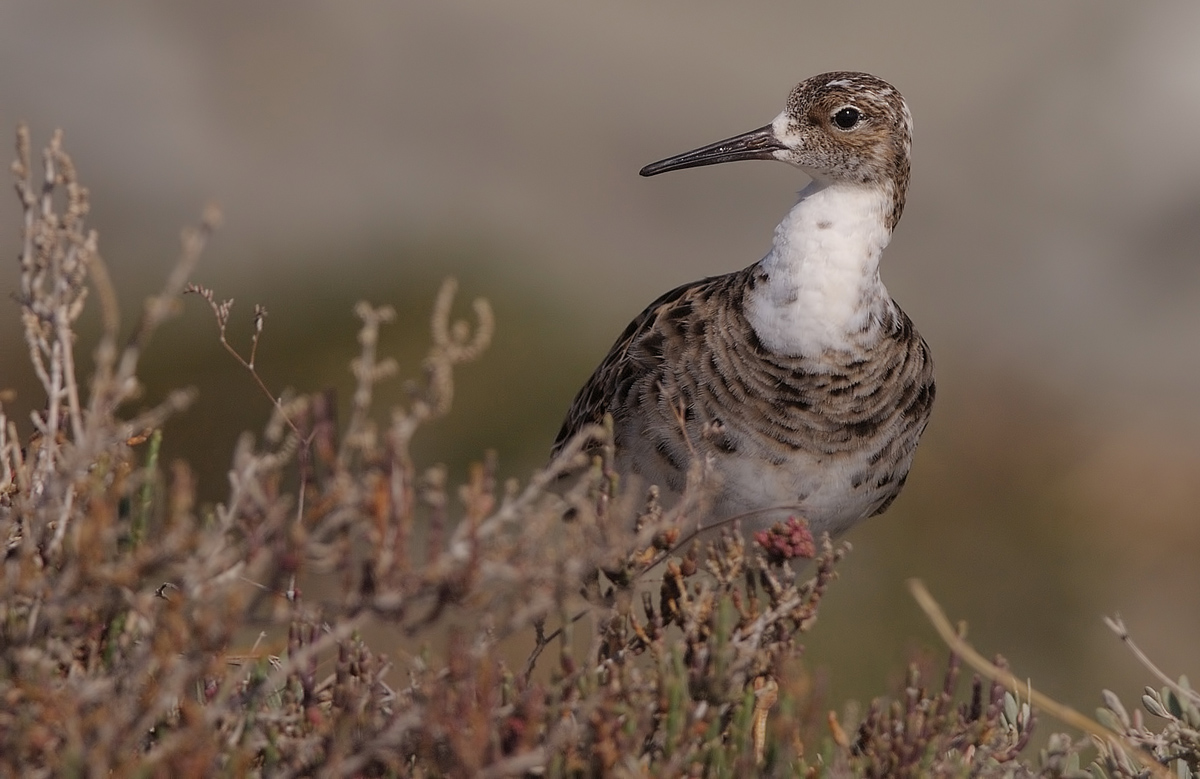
(822, 273)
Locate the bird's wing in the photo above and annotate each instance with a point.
(638, 350)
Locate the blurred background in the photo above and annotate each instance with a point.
(1050, 254)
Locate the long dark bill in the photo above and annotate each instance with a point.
(759, 144)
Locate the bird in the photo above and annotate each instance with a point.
(798, 381)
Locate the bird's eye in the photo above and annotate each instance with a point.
(847, 117)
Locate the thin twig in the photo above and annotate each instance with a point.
(544, 640)
(1047, 704)
(1117, 625)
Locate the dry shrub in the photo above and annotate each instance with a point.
(123, 603)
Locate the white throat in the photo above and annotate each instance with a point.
(822, 274)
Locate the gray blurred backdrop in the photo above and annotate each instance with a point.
(1049, 253)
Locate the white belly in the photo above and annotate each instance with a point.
(822, 490)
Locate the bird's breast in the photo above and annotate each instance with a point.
(830, 437)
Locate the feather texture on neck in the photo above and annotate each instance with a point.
(819, 285)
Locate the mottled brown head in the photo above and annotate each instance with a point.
(846, 126)
(838, 127)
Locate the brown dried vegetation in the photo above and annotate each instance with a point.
(126, 609)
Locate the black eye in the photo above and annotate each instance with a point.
(846, 117)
